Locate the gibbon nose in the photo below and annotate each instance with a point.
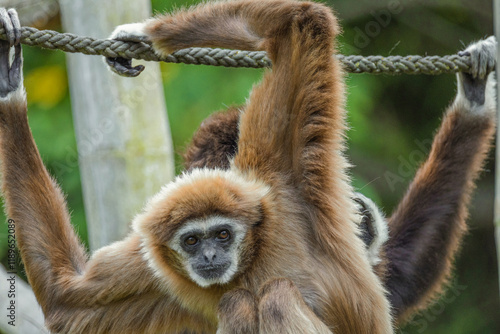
(209, 255)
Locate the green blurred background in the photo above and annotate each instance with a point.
(390, 118)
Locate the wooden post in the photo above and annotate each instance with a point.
(123, 137)
(496, 6)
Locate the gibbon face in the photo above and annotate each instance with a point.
(202, 226)
(210, 248)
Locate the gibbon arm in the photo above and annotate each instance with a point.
(427, 227)
(241, 312)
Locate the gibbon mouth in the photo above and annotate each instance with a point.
(212, 271)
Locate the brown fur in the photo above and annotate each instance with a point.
(215, 143)
(427, 227)
(282, 310)
(238, 313)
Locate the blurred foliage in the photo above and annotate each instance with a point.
(390, 118)
(46, 86)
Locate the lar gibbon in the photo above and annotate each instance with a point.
(269, 244)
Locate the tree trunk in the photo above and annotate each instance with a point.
(123, 137)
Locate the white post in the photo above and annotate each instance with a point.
(123, 137)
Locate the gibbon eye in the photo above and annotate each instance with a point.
(190, 241)
(223, 235)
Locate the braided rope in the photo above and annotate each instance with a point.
(234, 58)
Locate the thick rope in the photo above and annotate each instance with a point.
(234, 58)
